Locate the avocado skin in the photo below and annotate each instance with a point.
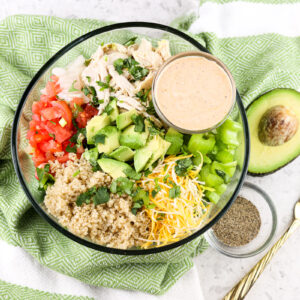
(262, 174)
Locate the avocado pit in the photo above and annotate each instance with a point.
(277, 126)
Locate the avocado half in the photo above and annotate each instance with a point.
(274, 124)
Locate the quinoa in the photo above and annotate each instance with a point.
(111, 224)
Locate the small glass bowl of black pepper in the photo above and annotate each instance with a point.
(248, 227)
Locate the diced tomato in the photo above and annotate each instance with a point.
(51, 113)
(50, 146)
(38, 157)
(54, 78)
(47, 135)
(84, 116)
(64, 158)
(61, 134)
(65, 112)
(77, 101)
(52, 89)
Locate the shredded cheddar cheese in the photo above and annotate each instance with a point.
(173, 218)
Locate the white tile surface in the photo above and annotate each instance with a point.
(217, 273)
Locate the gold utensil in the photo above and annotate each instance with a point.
(242, 288)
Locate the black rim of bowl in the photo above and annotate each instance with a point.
(67, 233)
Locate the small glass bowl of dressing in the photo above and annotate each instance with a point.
(193, 92)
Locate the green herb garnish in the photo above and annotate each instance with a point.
(119, 65)
(76, 173)
(150, 109)
(87, 61)
(44, 177)
(132, 174)
(143, 95)
(175, 191)
(71, 149)
(52, 135)
(136, 71)
(122, 185)
(99, 138)
(130, 42)
(101, 196)
(72, 88)
(138, 121)
(182, 166)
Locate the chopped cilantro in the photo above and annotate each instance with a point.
(136, 71)
(87, 61)
(76, 173)
(138, 121)
(182, 166)
(44, 177)
(136, 206)
(52, 135)
(103, 85)
(147, 172)
(175, 191)
(132, 174)
(130, 42)
(150, 109)
(143, 95)
(101, 196)
(166, 178)
(108, 109)
(88, 79)
(85, 90)
(122, 185)
(118, 64)
(154, 131)
(99, 138)
(71, 149)
(72, 88)
(97, 196)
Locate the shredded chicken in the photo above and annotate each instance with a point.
(100, 70)
(146, 56)
(163, 49)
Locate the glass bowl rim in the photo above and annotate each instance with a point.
(270, 237)
(69, 234)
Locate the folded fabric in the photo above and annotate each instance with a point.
(258, 64)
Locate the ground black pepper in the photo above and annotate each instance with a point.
(240, 225)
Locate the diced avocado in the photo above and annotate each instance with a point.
(202, 142)
(123, 120)
(133, 139)
(176, 140)
(94, 125)
(161, 146)
(141, 157)
(123, 153)
(112, 110)
(111, 142)
(274, 125)
(91, 155)
(113, 167)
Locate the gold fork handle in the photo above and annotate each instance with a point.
(242, 288)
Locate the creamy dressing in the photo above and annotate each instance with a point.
(193, 93)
